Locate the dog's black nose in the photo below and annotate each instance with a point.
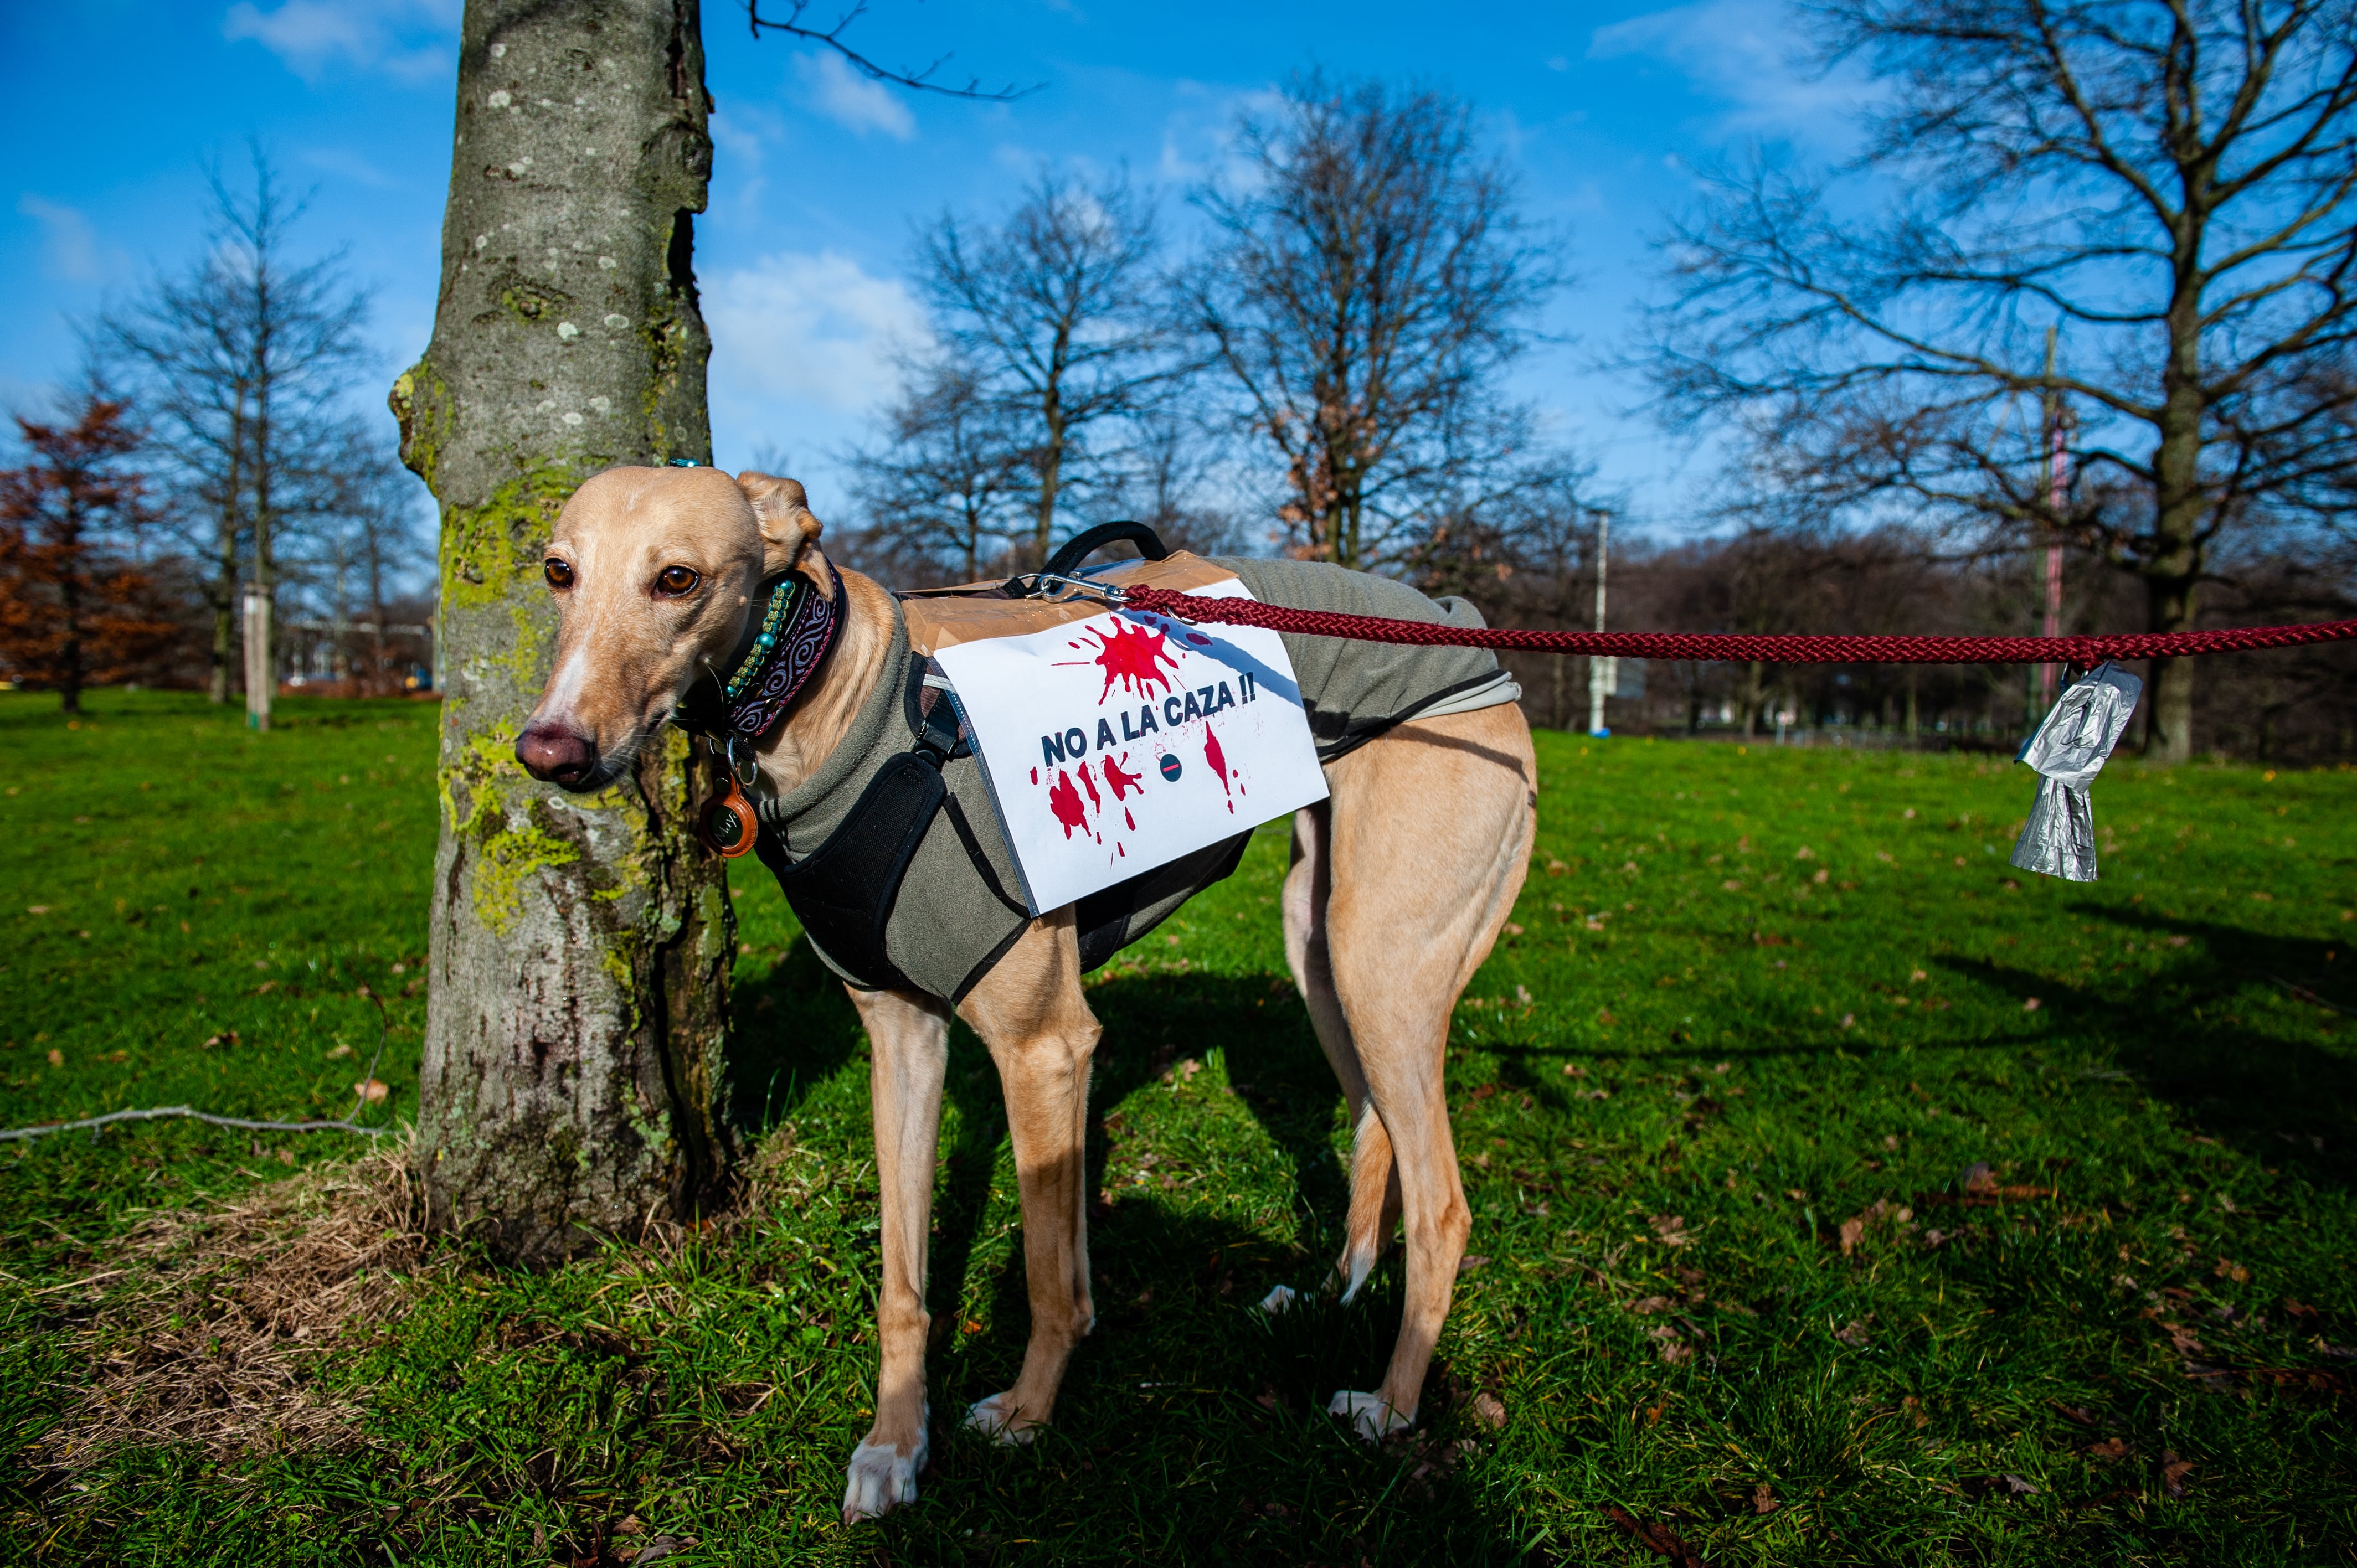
(556, 755)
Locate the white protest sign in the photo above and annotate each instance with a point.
(1119, 743)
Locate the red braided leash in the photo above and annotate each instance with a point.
(1739, 647)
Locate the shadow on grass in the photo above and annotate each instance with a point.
(795, 1027)
(1184, 1392)
(1191, 1425)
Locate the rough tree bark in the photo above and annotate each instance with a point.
(571, 1082)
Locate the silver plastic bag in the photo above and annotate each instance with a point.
(2067, 751)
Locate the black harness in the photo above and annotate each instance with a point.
(845, 891)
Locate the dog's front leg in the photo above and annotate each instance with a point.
(908, 1040)
(1029, 1011)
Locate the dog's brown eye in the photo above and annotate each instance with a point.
(558, 573)
(676, 579)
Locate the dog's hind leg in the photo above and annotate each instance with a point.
(1419, 892)
(909, 1041)
(1031, 1012)
(1375, 1180)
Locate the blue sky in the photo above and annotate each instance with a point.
(111, 109)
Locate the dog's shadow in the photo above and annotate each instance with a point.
(1186, 1394)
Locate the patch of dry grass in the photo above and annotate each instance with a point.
(208, 1324)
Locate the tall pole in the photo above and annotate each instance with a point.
(2050, 623)
(1599, 670)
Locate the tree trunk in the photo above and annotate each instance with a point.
(70, 601)
(2168, 700)
(571, 1080)
(225, 562)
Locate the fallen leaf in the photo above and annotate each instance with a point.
(2109, 1448)
(1573, 1069)
(1652, 1305)
(2173, 1473)
(1659, 1539)
(340, 1053)
(1674, 1350)
(2017, 1486)
(2297, 1308)
(57, 1057)
(1914, 1409)
(1853, 1334)
(1470, 1261)
(1513, 930)
(1671, 1229)
(373, 1090)
(1763, 1500)
(1853, 1232)
(2030, 1003)
(37, 908)
(1489, 1412)
(1978, 1177)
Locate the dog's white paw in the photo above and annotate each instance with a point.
(882, 1477)
(1279, 1299)
(990, 1417)
(1370, 1415)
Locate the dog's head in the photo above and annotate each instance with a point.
(655, 572)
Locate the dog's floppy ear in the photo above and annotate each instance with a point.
(782, 508)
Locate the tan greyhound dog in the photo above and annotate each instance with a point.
(1400, 883)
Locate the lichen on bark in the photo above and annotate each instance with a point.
(573, 1064)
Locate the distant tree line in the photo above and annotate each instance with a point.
(214, 450)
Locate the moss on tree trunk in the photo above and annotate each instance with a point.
(571, 1080)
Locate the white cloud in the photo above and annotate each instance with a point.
(851, 101)
(1198, 137)
(1750, 53)
(816, 332)
(409, 40)
(70, 248)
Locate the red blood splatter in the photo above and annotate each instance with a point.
(1034, 776)
(1090, 784)
(1119, 782)
(1133, 656)
(1127, 818)
(1122, 850)
(1218, 762)
(1214, 755)
(1065, 801)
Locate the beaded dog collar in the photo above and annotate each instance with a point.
(797, 628)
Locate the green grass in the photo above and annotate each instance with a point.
(2171, 1123)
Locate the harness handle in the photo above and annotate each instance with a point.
(1088, 541)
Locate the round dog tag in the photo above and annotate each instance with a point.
(729, 825)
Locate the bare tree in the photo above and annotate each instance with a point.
(950, 481)
(2167, 182)
(364, 551)
(1371, 284)
(1056, 312)
(241, 364)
